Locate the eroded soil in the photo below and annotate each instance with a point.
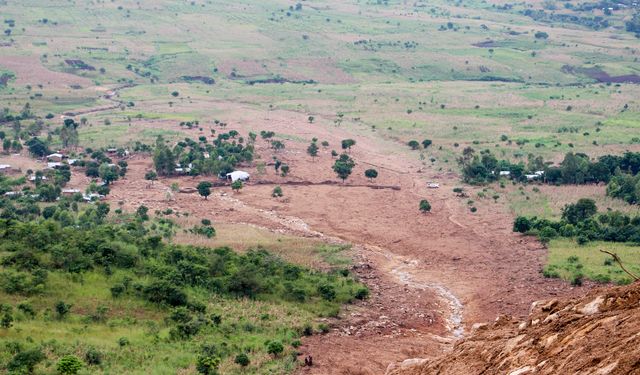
(431, 275)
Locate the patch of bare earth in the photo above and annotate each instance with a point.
(30, 71)
(431, 275)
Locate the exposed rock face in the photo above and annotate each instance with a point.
(597, 334)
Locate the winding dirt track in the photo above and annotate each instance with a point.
(432, 276)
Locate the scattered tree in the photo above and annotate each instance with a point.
(312, 150)
(236, 185)
(343, 166)
(371, 174)
(151, 176)
(425, 206)
(413, 144)
(204, 189)
(284, 170)
(69, 365)
(347, 144)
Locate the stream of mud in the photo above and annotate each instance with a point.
(399, 266)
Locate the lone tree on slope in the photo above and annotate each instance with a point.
(347, 144)
(425, 206)
(204, 189)
(343, 166)
(371, 174)
(312, 150)
(151, 176)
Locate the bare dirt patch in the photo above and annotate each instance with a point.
(29, 70)
(432, 276)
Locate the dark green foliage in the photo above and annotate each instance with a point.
(521, 224)
(312, 150)
(347, 144)
(425, 206)
(426, 143)
(413, 144)
(204, 188)
(371, 174)
(62, 309)
(582, 221)
(37, 147)
(93, 356)
(68, 365)
(327, 291)
(275, 348)
(580, 211)
(625, 187)
(25, 361)
(362, 293)
(343, 166)
(163, 291)
(242, 359)
(277, 192)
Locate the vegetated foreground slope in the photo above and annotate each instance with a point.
(596, 334)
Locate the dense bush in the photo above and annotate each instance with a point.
(581, 220)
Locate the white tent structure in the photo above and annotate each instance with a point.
(238, 175)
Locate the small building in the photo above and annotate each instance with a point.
(531, 176)
(70, 191)
(433, 185)
(4, 168)
(92, 197)
(33, 178)
(54, 165)
(538, 173)
(238, 175)
(55, 157)
(505, 173)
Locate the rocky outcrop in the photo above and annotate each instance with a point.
(596, 334)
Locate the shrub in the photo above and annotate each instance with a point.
(425, 206)
(582, 240)
(362, 293)
(93, 356)
(521, 224)
(242, 359)
(25, 361)
(275, 348)
(277, 192)
(69, 364)
(162, 291)
(62, 309)
(117, 290)
(327, 291)
(323, 328)
(123, 341)
(207, 364)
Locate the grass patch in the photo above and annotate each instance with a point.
(570, 261)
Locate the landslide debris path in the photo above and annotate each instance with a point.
(431, 275)
(596, 334)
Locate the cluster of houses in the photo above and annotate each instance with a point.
(54, 161)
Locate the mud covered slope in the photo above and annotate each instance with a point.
(597, 334)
